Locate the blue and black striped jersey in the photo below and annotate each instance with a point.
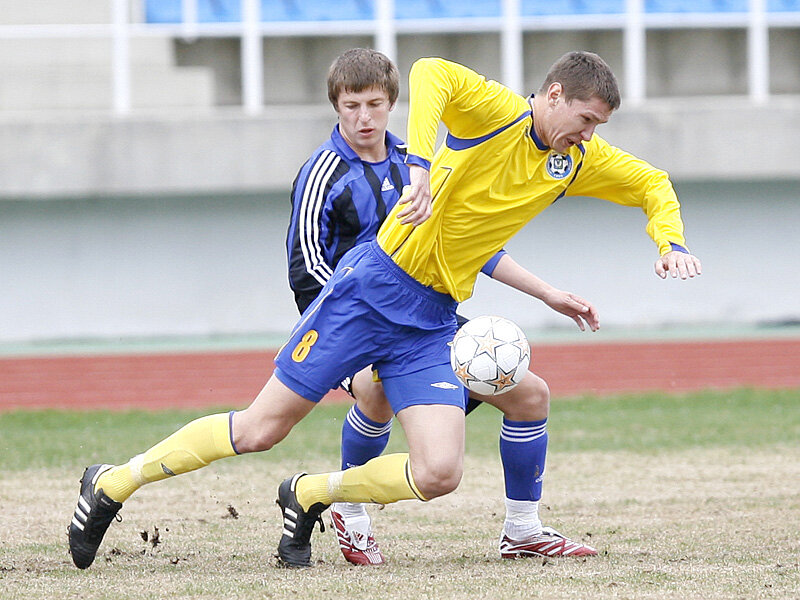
(338, 201)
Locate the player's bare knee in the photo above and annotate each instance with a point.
(537, 393)
(253, 436)
(437, 480)
(529, 401)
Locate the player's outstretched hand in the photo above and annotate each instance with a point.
(678, 264)
(416, 197)
(576, 308)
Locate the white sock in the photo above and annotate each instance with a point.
(522, 519)
(356, 521)
(350, 509)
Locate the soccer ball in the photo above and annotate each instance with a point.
(490, 355)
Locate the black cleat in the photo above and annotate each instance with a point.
(294, 549)
(92, 517)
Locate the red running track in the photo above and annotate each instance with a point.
(224, 379)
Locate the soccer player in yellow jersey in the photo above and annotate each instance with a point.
(391, 303)
(507, 158)
(339, 199)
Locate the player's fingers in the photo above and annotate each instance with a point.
(688, 268)
(412, 205)
(410, 193)
(579, 303)
(593, 319)
(660, 270)
(692, 266)
(680, 266)
(579, 321)
(416, 214)
(673, 266)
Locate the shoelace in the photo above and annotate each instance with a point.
(306, 528)
(96, 525)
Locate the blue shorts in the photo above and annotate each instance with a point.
(434, 385)
(371, 312)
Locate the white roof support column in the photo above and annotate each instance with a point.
(385, 33)
(758, 53)
(511, 40)
(634, 52)
(121, 57)
(189, 19)
(252, 57)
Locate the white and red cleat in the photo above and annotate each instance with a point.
(359, 548)
(549, 544)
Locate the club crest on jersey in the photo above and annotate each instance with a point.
(559, 165)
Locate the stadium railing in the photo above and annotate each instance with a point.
(253, 20)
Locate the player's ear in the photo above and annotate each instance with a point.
(554, 93)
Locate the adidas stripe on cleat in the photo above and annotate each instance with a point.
(91, 519)
(294, 549)
(358, 548)
(549, 543)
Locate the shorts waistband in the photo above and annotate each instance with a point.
(406, 279)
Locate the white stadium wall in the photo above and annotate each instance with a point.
(207, 265)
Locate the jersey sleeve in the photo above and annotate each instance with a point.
(309, 264)
(490, 265)
(467, 103)
(612, 174)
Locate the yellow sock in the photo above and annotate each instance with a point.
(382, 480)
(195, 445)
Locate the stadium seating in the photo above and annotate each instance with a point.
(227, 11)
(695, 6)
(340, 10)
(572, 7)
(783, 5)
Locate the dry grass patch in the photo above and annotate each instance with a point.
(706, 523)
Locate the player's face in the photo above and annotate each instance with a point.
(363, 117)
(567, 124)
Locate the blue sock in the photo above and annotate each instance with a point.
(523, 447)
(362, 439)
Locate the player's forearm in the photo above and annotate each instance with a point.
(512, 274)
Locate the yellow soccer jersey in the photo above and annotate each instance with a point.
(493, 175)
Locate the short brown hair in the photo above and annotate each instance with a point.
(584, 75)
(359, 69)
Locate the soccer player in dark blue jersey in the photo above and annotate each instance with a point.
(340, 198)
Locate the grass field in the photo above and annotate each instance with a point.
(695, 496)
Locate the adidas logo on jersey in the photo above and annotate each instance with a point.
(387, 185)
